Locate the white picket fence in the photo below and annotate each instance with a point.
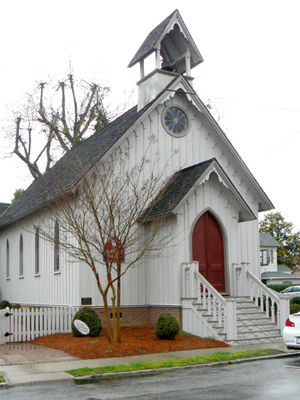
(25, 324)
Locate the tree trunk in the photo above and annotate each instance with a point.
(107, 321)
(119, 302)
(114, 319)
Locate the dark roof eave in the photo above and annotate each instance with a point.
(84, 156)
(158, 215)
(37, 208)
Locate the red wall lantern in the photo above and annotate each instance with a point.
(114, 250)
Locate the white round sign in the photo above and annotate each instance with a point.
(81, 327)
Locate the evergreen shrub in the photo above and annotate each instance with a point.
(89, 316)
(295, 300)
(4, 304)
(167, 326)
(279, 287)
(294, 308)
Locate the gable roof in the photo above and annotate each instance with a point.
(174, 191)
(148, 45)
(278, 275)
(155, 37)
(266, 239)
(3, 207)
(284, 268)
(184, 181)
(182, 85)
(67, 172)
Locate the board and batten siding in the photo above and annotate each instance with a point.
(132, 284)
(164, 273)
(201, 143)
(154, 280)
(47, 287)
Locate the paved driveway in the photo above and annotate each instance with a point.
(28, 353)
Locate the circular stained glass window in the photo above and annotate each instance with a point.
(175, 121)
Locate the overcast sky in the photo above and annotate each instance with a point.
(251, 71)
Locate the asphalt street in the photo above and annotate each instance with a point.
(269, 379)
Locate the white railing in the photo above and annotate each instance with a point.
(271, 303)
(25, 324)
(222, 310)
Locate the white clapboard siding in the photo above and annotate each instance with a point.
(25, 324)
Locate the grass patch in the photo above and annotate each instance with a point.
(183, 333)
(2, 380)
(174, 362)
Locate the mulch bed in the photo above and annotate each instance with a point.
(134, 341)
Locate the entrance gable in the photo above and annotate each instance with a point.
(183, 183)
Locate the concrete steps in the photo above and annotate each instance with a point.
(252, 324)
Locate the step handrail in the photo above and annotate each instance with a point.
(265, 289)
(261, 292)
(213, 291)
(223, 310)
(204, 298)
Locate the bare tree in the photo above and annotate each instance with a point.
(106, 222)
(54, 120)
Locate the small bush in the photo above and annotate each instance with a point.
(166, 327)
(4, 304)
(89, 316)
(279, 287)
(295, 300)
(294, 308)
(16, 306)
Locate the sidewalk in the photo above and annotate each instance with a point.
(55, 371)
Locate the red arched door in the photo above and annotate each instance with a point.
(208, 250)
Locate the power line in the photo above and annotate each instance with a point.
(279, 145)
(255, 104)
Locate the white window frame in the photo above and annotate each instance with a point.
(21, 256)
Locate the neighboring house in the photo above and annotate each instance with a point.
(3, 207)
(296, 270)
(271, 272)
(268, 252)
(215, 204)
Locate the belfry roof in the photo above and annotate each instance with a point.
(156, 38)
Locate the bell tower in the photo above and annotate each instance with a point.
(175, 54)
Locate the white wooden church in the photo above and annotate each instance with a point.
(210, 278)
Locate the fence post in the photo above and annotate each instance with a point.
(4, 324)
(230, 327)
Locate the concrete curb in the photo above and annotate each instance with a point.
(52, 377)
(92, 378)
(40, 382)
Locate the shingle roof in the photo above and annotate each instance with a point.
(284, 268)
(278, 275)
(3, 207)
(65, 174)
(148, 44)
(266, 239)
(175, 190)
